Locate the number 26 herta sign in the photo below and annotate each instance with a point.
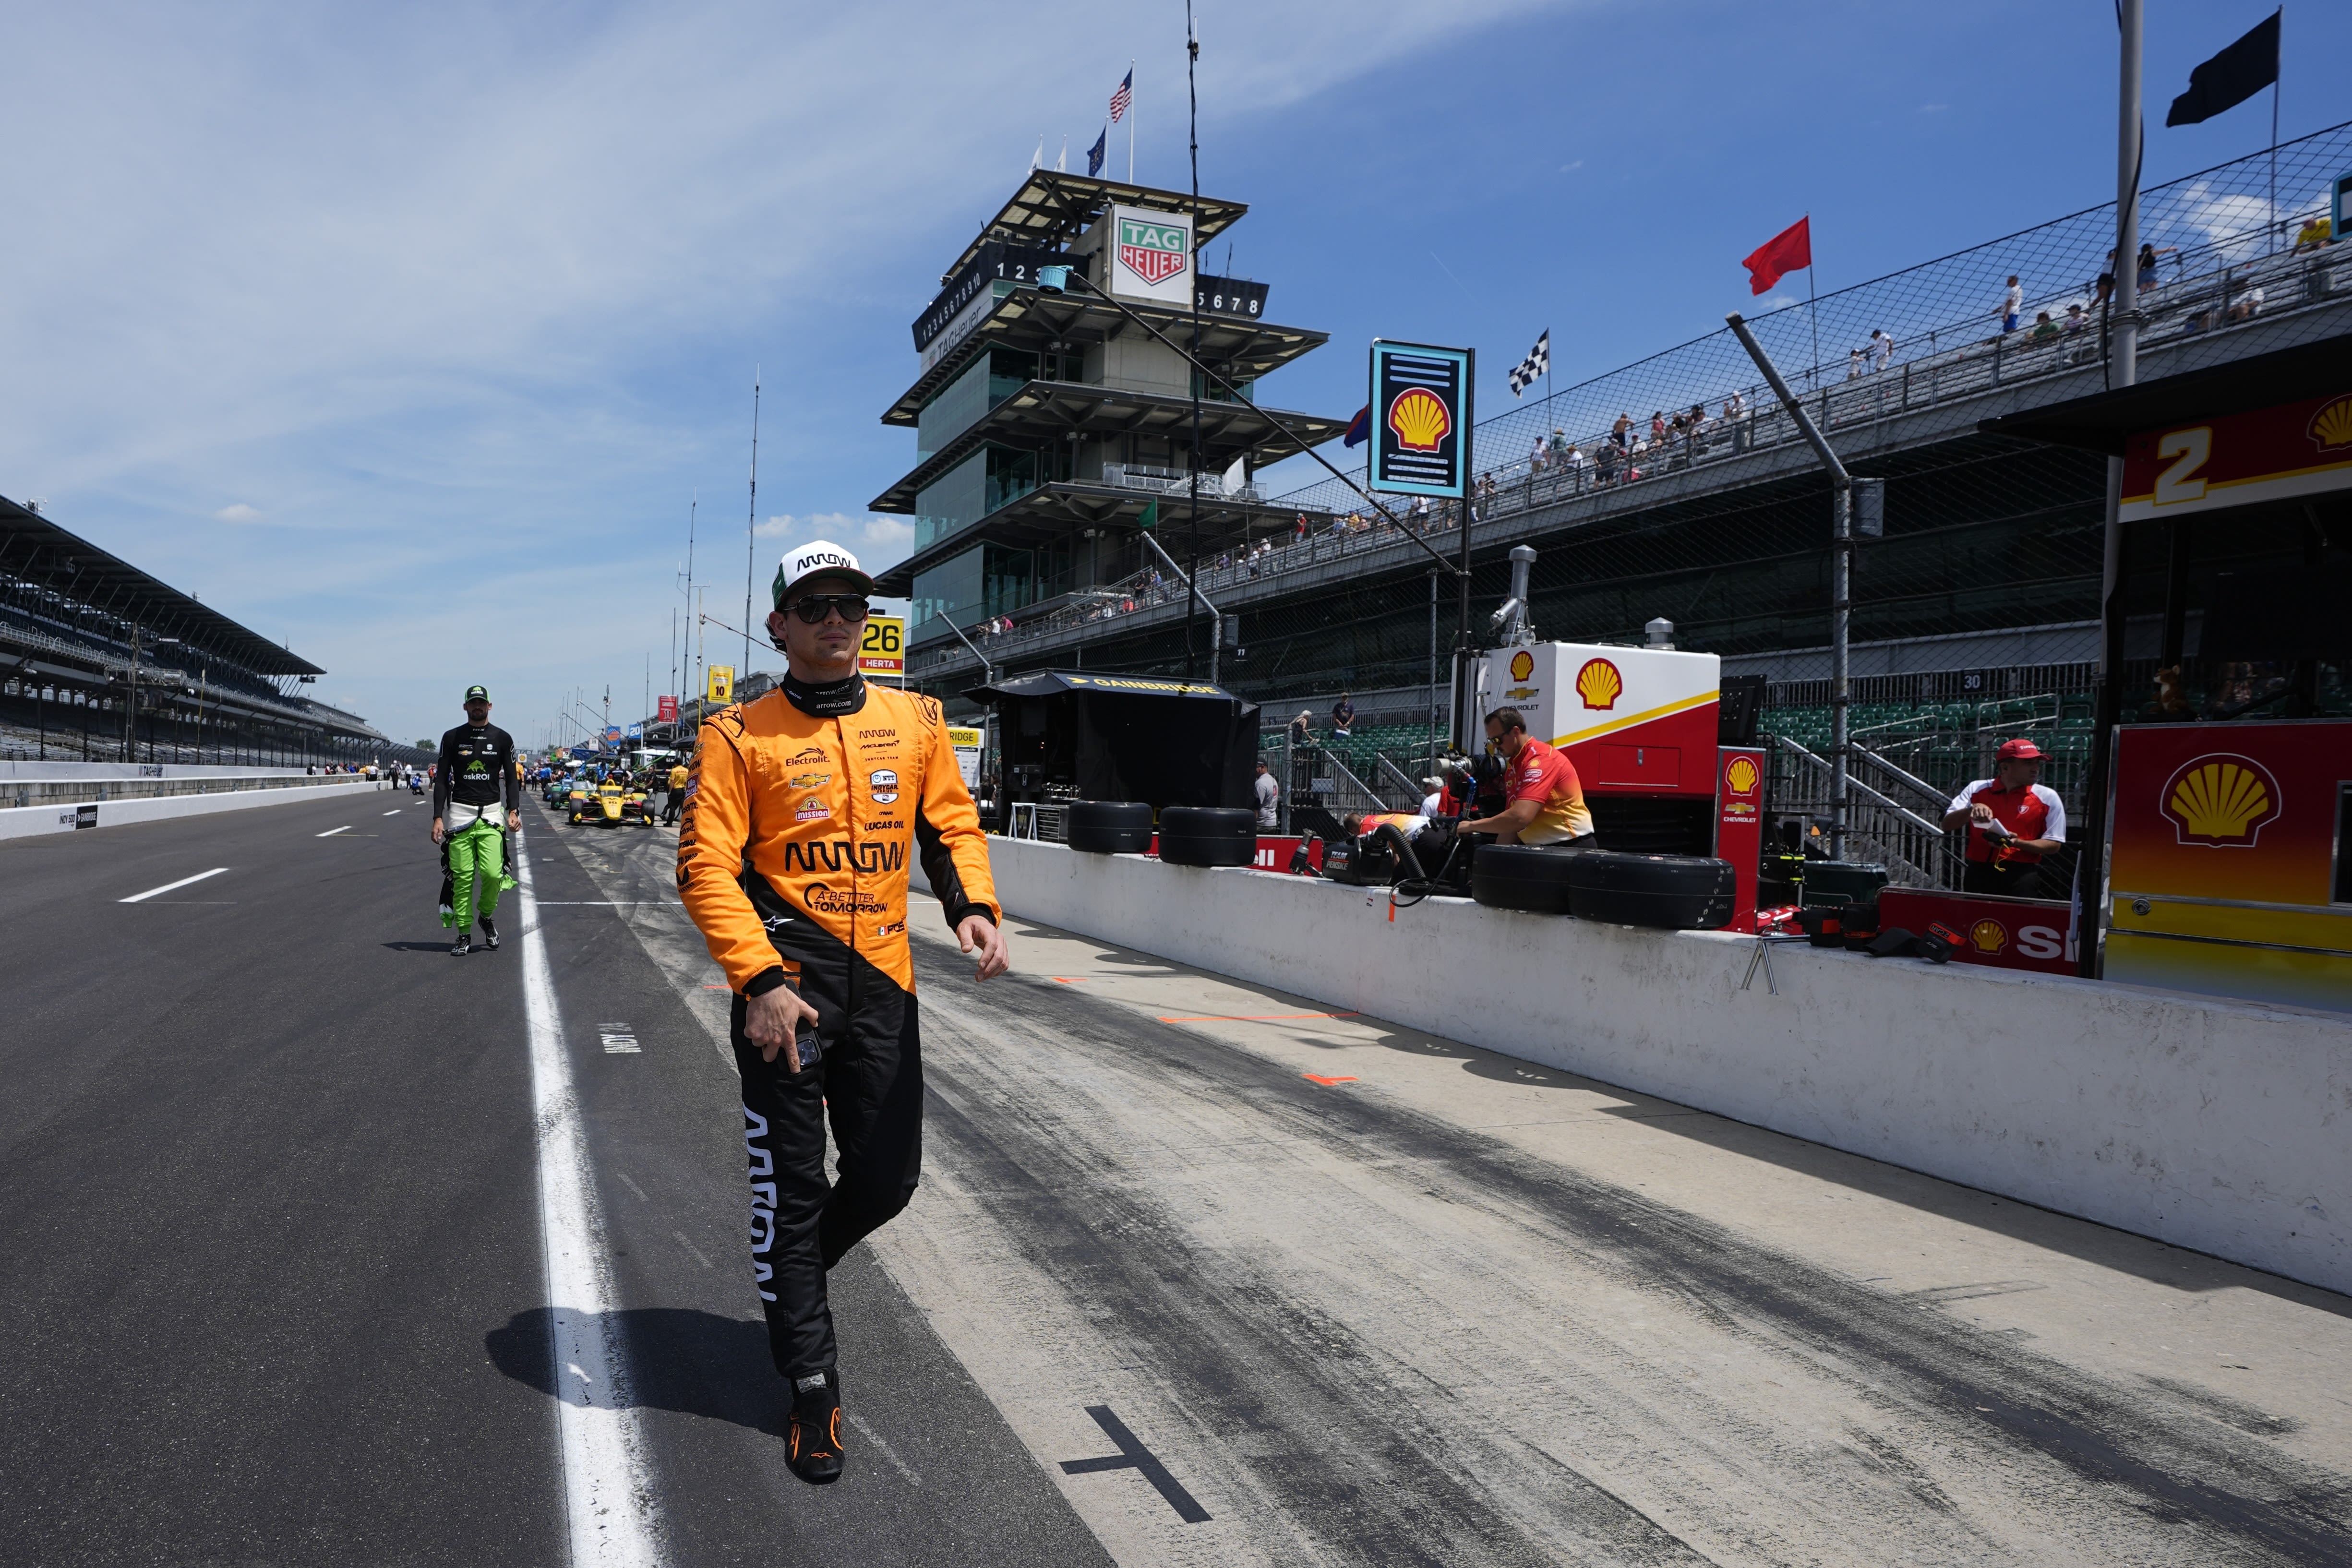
(883, 651)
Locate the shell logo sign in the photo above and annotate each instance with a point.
(1599, 684)
(1419, 418)
(2331, 428)
(1988, 936)
(2220, 800)
(1523, 664)
(1741, 776)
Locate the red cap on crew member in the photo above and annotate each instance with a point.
(2019, 750)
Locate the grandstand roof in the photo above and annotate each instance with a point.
(1044, 412)
(2104, 421)
(1052, 207)
(36, 551)
(1236, 347)
(1051, 510)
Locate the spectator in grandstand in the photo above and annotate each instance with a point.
(1543, 800)
(1269, 795)
(1622, 432)
(1535, 457)
(1302, 728)
(2248, 305)
(1607, 466)
(1343, 715)
(2012, 820)
(1657, 426)
(2148, 254)
(1882, 348)
(2318, 232)
(2044, 329)
(2011, 303)
(1854, 364)
(2076, 319)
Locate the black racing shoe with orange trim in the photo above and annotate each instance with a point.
(813, 1434)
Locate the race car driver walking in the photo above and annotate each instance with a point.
(802, 808)
(476, 793)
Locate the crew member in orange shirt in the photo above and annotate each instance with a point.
(1544, 802)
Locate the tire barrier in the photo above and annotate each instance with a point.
(1666, 892)
(1109, 827)
(1524, 876)
(1208, 835)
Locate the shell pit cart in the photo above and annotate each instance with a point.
(1668, 779)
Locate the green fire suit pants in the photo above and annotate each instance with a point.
(476, 849)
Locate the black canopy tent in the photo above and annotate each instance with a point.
(1067, 735)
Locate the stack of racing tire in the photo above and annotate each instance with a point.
(1188, 835)
(1662, 892)
(1109, 827)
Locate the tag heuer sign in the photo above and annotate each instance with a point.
(1152, 255)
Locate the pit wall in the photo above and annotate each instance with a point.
(2217, 1126)
(66, 817)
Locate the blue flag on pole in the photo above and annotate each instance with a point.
(1360, 429)
(1094, 155)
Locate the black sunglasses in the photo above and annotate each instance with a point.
(813, 609)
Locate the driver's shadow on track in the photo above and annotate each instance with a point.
(441, 946)
(694, 1363)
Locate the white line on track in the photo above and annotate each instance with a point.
(394, 812)
(607, 1485)
(331, 833)
(170, 886)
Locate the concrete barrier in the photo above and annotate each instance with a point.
(2217, 1126)
(25, 822)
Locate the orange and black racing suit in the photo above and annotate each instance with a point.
(792, 858)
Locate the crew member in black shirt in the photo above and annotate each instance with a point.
(476, 793)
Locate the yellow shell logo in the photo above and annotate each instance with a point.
(2331, 427)
(2220, 800)
(1523, 664)
(1599, 684)
(1988, 935)
(1740, 776)
(1419, 418)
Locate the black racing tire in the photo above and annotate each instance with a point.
(1208, 835)
(1664, 893)
(1109, 827)
(1523, 876)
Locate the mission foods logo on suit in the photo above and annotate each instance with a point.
(1151, 256)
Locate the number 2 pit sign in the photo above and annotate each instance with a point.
(884, 652)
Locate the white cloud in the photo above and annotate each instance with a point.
(442, 275)
(1572, 168)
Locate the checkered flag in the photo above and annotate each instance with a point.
(1536, 363)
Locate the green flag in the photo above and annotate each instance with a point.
(1150, 517)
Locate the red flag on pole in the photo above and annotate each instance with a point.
(1790, 250)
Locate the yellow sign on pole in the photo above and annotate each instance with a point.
(722, 683)
(884, 650)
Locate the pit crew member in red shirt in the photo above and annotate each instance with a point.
(2013, 819)
(1543, 801)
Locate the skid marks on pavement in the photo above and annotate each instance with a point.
(1476, 1348)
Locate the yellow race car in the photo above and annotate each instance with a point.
(609, 805)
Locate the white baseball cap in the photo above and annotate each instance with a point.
(818, 557)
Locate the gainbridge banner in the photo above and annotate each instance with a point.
(2229, 865)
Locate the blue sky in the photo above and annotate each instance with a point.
(406, 334)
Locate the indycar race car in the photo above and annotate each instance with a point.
(609, 806)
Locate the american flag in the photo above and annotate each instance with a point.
(1124, 97)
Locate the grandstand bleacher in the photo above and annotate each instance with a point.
(101, 662)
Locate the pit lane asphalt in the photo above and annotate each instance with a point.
(269, 1263)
